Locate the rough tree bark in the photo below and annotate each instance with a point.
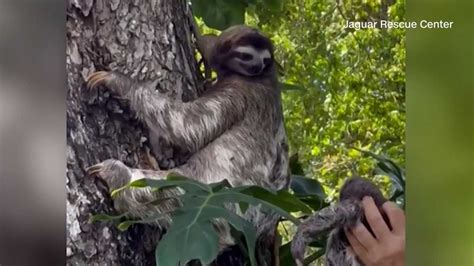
(145, 39)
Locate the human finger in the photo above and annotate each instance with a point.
(374, 218)
(362, 234)
(396, 216)
(356, 246)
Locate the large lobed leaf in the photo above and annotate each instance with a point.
(192, 235)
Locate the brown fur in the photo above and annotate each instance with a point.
(334, 219)
(234, 131)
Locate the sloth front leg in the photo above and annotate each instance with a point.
(114, 81)
(165, 153)
(189, 125)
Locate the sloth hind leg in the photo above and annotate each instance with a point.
(143, 203)
(116, 174)
(138, 203)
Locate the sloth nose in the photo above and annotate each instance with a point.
(255, 69)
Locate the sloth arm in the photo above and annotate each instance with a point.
(193, 124)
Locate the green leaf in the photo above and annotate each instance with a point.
(188, 182)
(234, 196)
(173, 180)
(314, 202)
(311, 258)
(354, 154)
(220, 14)
(220, 185)
(287, 259)
(306, 187)
(285, 254)
(201, 205)
(296, 167)
(309, 191)
(188, 238)
(126, 224)
(281, 198)
(240, 224)
(388, 167)
(139, 183)
(105, 217)
(391, 169)
(243, 206)
(273, 4)
(185, 183)
(291, 87)
(114, 192)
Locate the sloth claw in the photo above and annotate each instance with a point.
(97, 78)
(95, 170)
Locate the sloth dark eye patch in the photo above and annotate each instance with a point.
(267, 61)
(257, 41)
(244, 56)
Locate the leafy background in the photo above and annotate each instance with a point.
(348, 85)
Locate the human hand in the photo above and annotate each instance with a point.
(388, 246)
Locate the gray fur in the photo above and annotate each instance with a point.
(142, 202)
(333, 220)
(234, 131)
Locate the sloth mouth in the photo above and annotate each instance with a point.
(254, 70)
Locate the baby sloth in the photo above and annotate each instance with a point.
(233, 131)
(334, 219)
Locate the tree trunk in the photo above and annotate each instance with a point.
(144, 39)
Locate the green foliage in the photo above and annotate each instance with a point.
(351, 85)
(389, 168)
(192, 236)
(306, 188)
(220, 14)
(308, 191)
(343, 88)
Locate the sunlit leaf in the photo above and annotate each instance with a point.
(291, 87)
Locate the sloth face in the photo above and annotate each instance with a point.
(242, 50)
(249, 61)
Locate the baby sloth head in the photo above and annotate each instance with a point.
(242, 50)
